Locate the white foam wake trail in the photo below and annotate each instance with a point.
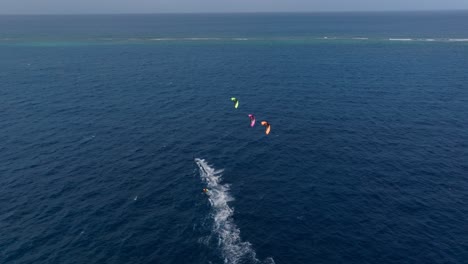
(234, 250)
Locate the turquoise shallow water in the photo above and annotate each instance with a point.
(104, 129)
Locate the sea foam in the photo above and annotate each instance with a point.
(233, 249)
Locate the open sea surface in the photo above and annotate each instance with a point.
(111, 126)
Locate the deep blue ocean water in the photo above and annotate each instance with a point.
(111, 126)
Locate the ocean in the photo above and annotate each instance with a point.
(111, 126)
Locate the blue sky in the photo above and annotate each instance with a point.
(162, 6)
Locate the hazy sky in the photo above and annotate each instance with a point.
(158, 6)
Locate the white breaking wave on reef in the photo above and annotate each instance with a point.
(233, 249)
(88, 41)
(400, 39)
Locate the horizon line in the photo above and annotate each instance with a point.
(238, 12)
